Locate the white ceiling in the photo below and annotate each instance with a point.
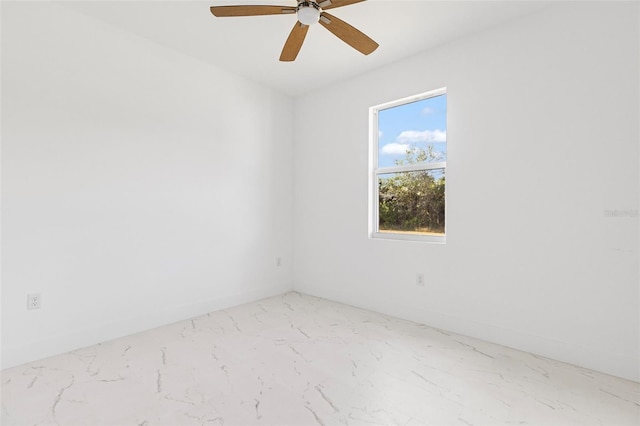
(250, 46)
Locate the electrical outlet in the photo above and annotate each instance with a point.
(420, 279)
(34, 301)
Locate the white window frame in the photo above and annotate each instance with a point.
(375, 172)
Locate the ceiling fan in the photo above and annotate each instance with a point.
(308, 13)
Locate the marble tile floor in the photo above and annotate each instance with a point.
(300, 360)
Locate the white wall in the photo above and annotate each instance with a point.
(542, 140)
(139, 186)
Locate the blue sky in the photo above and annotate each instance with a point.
(412, 125)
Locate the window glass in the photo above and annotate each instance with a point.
(407, 129)
(412, 202)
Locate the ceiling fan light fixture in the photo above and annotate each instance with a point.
(308, 12)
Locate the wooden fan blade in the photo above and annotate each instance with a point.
(350, 35)
(294, 42)
(332, 4)
(223, 11)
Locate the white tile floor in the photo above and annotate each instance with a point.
(300, 360)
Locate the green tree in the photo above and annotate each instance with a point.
(413, 201)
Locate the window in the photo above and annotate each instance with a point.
(408, 161)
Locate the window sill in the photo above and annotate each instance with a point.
(400, 236)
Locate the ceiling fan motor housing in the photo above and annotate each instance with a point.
(308, 12)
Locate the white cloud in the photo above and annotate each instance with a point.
(427, 111)
(395, 148)
(379, 134)
(409, 136)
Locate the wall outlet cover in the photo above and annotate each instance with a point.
(34, 301)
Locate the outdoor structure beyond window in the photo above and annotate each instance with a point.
(408, 161)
